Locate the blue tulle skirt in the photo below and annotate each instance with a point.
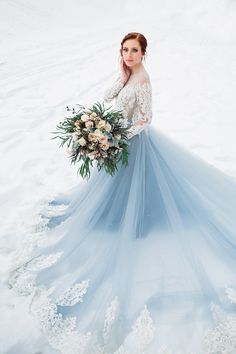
(140, 262)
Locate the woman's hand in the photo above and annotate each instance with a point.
(125, 71)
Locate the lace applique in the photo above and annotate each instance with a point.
(126, 101)
(231, 293)
(23, 278)
(113, 91)
(62, 333)
(110, 317)
(43, 262)
(144, 101)
(222, 338)
(73, 295)
(134, 100)
(143, 330)
(143, 110)
(22, 281)
(141, 336)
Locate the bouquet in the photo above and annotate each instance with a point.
(96, 134)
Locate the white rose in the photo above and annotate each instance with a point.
(82, 141)
(91, 147)
(98, 132)
(75, 136)
(92, 137)
(84, 117)
(77, 123)
(108, 127)
(104, 146)
(89, 124)
(103, 139)
(92, 155)
(101, 124)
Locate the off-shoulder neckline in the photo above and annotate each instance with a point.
(137, 83)
(143, 78)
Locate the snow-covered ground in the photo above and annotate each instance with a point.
(58, 53)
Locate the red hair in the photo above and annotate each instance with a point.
(139, 37)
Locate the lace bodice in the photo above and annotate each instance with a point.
(134, 99)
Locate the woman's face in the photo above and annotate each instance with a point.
(131, 52)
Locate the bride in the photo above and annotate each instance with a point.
(143, 261)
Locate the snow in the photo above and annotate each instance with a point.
(59, 53)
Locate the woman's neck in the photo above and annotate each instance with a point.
(137, 68)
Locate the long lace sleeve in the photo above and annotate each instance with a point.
(143, 113)
(113, 91)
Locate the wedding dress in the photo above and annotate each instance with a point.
(140, 262)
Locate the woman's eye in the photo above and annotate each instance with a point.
(133, 50)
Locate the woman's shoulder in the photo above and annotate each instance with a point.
(144, 78)
(140, 78)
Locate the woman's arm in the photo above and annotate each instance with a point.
(121, 80)
(143, 92)
(113, 91)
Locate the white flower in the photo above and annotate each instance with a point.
(77, 123)
(108, 127)
(75, 136)
(98, 132)
(103, 139)
(89, 124)
(101, 124)
(104, 146)
(92, 155)
(92, 137)
(84, 117)
(82, 141)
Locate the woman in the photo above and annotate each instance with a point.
(144, 261)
